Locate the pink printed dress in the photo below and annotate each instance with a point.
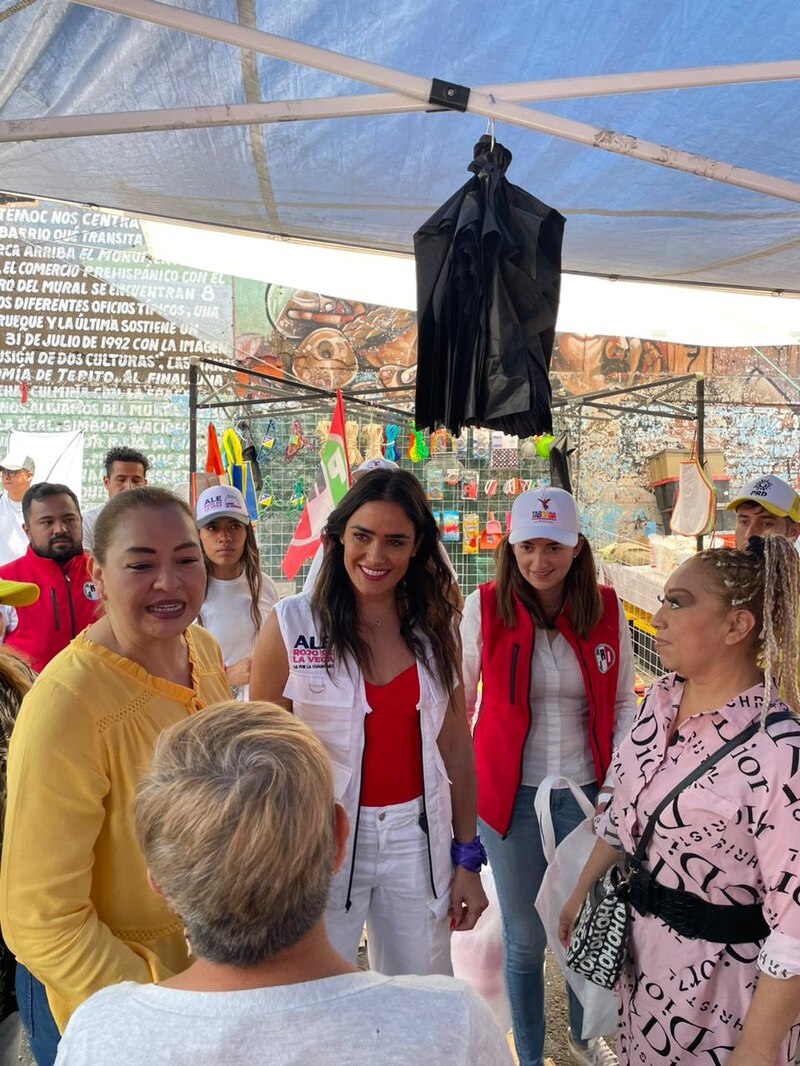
(731, 837)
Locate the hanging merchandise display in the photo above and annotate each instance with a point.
(434, 481)
(249, 450)
(266, 498)
(451, 526)
(298, 500)
(488, 279)
(543, 444)
(214, 464)
(372, 436)
(694, 509)
(270, 437)
(491, 534)
(322, 431)
(239, 472)
(471, 527)
(354, 455)
(469, 485)
(390, 451)
(214, 472)
(417, 448)
(481, 443)
(296, 440)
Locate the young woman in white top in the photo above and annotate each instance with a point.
(553, 652)
(239, 595)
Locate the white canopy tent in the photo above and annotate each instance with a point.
(234, 114)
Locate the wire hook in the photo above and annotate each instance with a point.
(490, 124)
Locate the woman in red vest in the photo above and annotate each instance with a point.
(552, 649)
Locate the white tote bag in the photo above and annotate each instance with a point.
(564, 866)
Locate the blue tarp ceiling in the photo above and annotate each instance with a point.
(371, 180)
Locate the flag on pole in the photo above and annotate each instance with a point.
(331, 483)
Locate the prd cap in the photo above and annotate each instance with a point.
(549, 513)
(18, 593)
(771, 493)
(17, 461)
(221, 501)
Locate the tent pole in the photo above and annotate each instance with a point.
(700, 402)
(419, 88)
(210, 117)
(385, 103)
(193, 365)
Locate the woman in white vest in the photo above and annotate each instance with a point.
(370, 660)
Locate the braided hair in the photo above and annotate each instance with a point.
(765, 579)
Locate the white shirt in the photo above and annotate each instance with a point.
(13, 541)
(359, 1019)
(89, 518)
(226, 615)
(558, 739)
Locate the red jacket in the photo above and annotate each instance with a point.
(67, 604)
(505, 716)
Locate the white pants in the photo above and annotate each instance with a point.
(408, 930)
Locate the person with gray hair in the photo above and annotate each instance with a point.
(248, 868)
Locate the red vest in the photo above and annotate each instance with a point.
(505, 715)
(67, 604)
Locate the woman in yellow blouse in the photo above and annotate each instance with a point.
(75, 903)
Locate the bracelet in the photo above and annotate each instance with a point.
(471, 856)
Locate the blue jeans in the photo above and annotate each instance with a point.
(34, 1010)
(518, 865)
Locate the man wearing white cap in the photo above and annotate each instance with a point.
(17, 472)
(766, 505)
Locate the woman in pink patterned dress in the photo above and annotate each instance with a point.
(721, 987)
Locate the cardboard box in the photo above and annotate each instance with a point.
(666, 463)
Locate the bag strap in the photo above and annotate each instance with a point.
(749, 731)
(544, 815)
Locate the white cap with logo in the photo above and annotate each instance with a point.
(547, 513)
(373, 464)
(221, 501)
(773, 494)
(14, 461)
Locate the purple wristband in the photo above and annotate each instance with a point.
(471, 856)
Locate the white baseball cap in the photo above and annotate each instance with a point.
(771, 493)
(374, 464)
(550, 513)
(17, 461)
(221, 501)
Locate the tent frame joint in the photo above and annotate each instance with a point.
(449, 94)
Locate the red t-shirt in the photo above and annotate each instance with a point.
(392, 769)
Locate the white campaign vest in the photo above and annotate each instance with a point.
(334, 704)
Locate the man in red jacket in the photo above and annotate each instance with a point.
(56, 562)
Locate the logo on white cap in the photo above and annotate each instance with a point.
(544, 514)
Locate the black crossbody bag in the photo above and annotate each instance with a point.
(598, 943)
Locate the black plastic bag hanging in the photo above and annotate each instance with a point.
(488, 281)
(560, 465)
